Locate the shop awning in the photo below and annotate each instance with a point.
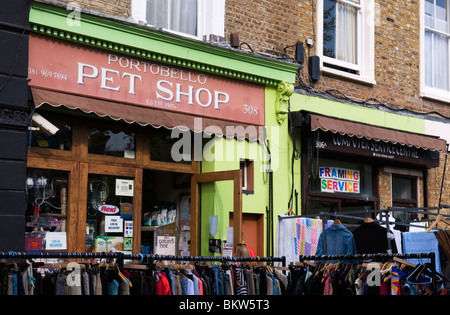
(145, 115)
(360, 130)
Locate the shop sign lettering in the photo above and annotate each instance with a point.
(334, 179)
(381, 149)
(94, 73)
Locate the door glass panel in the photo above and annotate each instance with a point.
(109, 213)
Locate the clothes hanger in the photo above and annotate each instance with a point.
(122, 276)
(439, 219)
(310, 263)
(290, 212)
(280, 268)
(404, 262)
(337, 222)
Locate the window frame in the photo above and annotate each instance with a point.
(247, 167)
(414, 190)
(365, 44)
(211, 18)
(429, 91)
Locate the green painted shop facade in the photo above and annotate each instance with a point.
(231, 184)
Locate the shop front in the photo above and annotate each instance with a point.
(353, 166)
(116, 162)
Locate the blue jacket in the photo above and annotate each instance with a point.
(339, 241)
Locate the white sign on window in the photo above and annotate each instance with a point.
(165, 245)
(55, 241)
(113, 224)
(335, 179)
(124, 187)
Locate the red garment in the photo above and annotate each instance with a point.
(252, 251)
(162, 286)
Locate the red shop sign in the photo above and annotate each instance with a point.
(70, 68)
(108, 209)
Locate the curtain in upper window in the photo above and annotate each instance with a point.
(340, 30)
(437, 44)
(176, 15)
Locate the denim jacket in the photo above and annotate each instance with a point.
(339, 241)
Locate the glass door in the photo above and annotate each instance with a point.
(109, 225)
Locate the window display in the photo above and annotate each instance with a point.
(47, 207)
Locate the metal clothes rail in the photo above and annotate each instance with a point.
(120, 257)
(383, 257)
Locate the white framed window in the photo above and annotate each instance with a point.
(435, 41)
(345, 38)
(191, 18)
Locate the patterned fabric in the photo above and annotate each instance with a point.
(307, 235)
(396, 274)
(241, 283)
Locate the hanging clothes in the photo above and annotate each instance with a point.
(421, 242)
(371, 238)
(339, 241)
(353, 279)
(298, 236)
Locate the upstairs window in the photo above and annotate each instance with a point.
(340, 33)
(176, 15)
(345, 38)
(193, 18)
(436, 48)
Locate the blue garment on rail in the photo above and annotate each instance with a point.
(339, 241)
(421, 242)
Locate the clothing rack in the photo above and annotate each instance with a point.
(384, 215)
(120, 257)
(383, 257)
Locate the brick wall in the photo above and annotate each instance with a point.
(384, 189)
(121, 8)
(269, 26)
(435, 182)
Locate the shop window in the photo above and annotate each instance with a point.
(47, 208)
(346, 37)
(163, 146)
(404, 191)
(247, 168)
(41, 138)
(111, 142)
(109, 213)
(195, 18)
